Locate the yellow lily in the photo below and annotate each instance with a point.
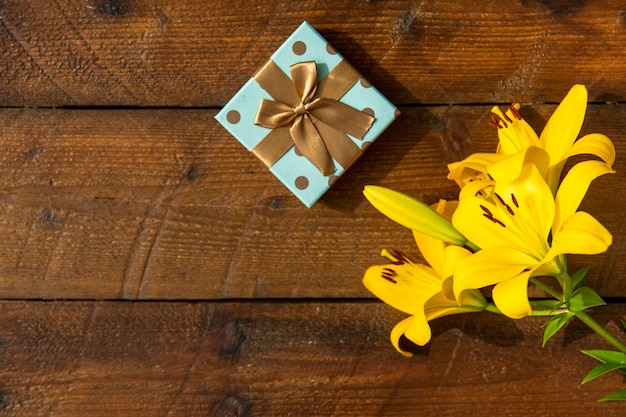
(522, 230)
(558, 139)
(472, 168)
(423, 291)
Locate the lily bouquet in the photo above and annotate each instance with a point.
(513, 225)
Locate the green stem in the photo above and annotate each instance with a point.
(492, 309)
(566, 283)
(546, 288)
(472, 246)
(595, 326)
(538, 313)
(544, 313)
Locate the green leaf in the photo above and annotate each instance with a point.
(554, 325)
(624, 323)
(607, 356)
(578, 278)
(584, 298)
(616, 396)
(600, 370)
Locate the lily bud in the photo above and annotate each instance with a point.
(413, 214)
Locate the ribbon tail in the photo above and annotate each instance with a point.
(310, 144)
(340, 146)
(341, 116)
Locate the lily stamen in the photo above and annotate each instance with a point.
(486, 210)
(508, 208)
(388, 274)
(401, 258)
(515, 112)
(496, 121)
(489, 215)
(496, 221)
(514, 200)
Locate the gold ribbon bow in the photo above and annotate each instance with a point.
(309, 114)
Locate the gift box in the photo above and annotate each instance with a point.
(307, 114)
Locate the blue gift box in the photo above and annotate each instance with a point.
(298, 170)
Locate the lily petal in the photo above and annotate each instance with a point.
(473, 167)
(510, 168)
(489, 266)
(580, 234)
(414, 328)
(594, 144)
(446, 208)
(418, 331)
(440, 305)
(564, 125)
(574, 187)
(432, 250)
(511, 296)
(452, 255)
(405, 287)
(437, 253)
(417, 328)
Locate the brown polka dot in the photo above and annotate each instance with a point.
(369, 111)
(233, 117)
(365, 83)
(297, 151)
(330, 49)
(299, 48)
(302, 183)
(332, 179)
(396, 113)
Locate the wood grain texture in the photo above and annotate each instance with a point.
(281, 359)
(116, 184)
(165, 204)
(198, 53)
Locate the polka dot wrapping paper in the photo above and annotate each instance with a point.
(296, 166)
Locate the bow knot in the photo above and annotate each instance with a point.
(300, 109)
(317, 124)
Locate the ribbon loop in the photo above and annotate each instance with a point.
(304, 76)
(274, 114)
(298, 108)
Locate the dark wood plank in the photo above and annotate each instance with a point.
(278, 359)
(164, 204)
(198, 53)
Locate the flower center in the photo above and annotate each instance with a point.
(403, 271)
(512, 218)
(489, 215)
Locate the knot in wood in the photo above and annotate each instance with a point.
(233, 338)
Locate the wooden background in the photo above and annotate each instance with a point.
(150, 266)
